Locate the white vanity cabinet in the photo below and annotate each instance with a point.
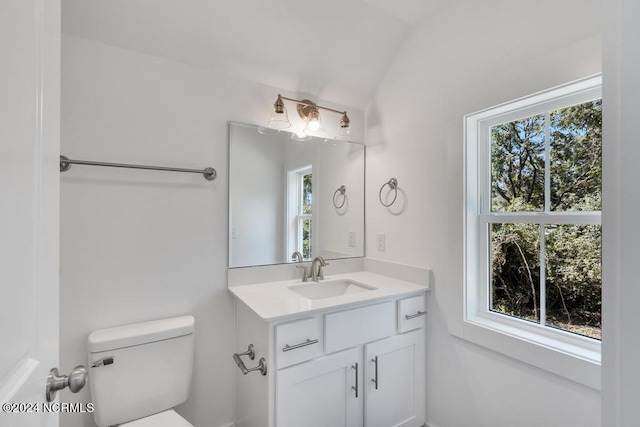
(321, 392)
(348, 389)
(395, 386)
(350, 366)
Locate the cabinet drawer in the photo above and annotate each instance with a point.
(411, 313)
(298, 341)
(351, 328)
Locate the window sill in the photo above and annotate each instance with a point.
(572, 362)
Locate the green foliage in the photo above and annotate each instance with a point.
(576, 156)
(306, 239)
(515, 265)
(572, 261)
(574, 273)
(307, 207)
(517, 163)
(307, 194)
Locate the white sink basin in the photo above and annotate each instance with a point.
(330, 288)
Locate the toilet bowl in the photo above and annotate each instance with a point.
(138, 373)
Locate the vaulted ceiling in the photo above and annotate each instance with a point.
(336, 50)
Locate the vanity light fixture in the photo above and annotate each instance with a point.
(308, 111)
(279, 116)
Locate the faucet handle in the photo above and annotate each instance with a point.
(305, 272)
(321, 272)
(323, 263)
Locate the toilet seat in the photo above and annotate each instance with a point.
(164, 419)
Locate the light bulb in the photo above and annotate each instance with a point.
(314, 125)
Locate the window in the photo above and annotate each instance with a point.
(532, 219)
(300, 209)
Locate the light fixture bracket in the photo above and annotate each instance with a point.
(307, 110)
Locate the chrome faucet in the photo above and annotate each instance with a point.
(305, 272)
(316, 268)
(296, 256)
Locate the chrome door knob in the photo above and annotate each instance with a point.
(76, 381)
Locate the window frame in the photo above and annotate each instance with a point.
(296, 217)
(565, 353)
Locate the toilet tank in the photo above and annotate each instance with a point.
(140, 369)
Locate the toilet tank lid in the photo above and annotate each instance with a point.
(139, 333)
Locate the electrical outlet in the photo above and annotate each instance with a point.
(352, 239)
(380, 240)
(234, 233)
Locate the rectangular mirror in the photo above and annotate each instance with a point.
(289, 196)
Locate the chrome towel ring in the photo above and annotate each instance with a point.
(336, 197)
(393, 185)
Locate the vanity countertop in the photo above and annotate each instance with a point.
(274, 300)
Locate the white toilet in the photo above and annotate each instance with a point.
(139, 372)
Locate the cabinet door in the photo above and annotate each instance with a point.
(396, 392)
(321, 392)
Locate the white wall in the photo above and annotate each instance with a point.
(257, 184)
(139, 245)
(621, 202)
(341, 164)
(470, 56)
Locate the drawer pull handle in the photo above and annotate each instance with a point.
(413, 316)
(302, 344)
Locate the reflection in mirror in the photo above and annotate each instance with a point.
(291, 201)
